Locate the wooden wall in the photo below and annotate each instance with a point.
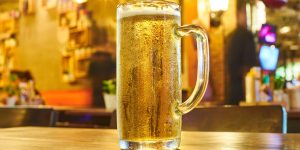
(39, 50)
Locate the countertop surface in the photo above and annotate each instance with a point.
(42, 138)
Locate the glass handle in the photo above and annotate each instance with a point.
(203, 66)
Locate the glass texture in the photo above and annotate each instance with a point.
(149, 97)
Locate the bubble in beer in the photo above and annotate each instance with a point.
(149, 81)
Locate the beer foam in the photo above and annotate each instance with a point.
(146, 11)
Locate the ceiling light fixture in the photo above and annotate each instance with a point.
(80, 1)
(285, 29)
(217, 8)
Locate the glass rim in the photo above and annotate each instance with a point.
(149, 3)
(147, 7)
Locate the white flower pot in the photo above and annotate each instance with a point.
(110, 101)
(11, 101)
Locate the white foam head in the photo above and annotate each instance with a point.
(122, 13)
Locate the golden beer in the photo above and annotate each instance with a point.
(149, 106)
(148, 73)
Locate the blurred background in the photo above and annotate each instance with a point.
(63, 52)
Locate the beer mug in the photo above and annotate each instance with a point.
(149, 106)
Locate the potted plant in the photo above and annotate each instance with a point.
(109, 92)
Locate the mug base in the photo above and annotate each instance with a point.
(150, 145)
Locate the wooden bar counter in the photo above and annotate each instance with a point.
(38, 138)
(294, 120)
